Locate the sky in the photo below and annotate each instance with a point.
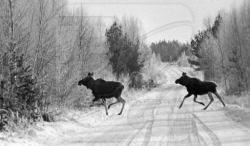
(160, 19)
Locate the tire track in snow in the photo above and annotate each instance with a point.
(212, 135)
(149, 126)
(179, 124)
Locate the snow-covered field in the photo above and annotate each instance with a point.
(146, 120)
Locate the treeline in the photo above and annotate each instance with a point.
(222, 50)
(169, 51)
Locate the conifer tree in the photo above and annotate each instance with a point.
(19, 89)
(122, 53)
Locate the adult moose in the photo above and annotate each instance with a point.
(197, 87)
(102, 89)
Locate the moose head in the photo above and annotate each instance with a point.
(183, 79)
(87, 80)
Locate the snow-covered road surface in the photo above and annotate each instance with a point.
(156, 119)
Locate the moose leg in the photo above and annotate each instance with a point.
(195, 97)
(123, 103)
(211, 100)
(184, 99)
(105, 104)
(113, 103)
(219, 97)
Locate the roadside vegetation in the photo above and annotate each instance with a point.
(222, 52)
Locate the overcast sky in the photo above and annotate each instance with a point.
(161, 19)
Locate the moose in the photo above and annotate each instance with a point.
(103, 90)
(197, 87)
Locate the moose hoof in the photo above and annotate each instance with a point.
(119, 113)
(203, 104)
(204, 108)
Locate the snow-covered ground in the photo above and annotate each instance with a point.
(152, 118)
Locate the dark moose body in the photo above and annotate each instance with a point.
(197, 87)
(102, 89)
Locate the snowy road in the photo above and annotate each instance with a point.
(157, 120)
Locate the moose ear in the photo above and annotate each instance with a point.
(90, 74)
(184, 74)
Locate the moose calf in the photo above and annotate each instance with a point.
(102, 89)
(197, 87)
